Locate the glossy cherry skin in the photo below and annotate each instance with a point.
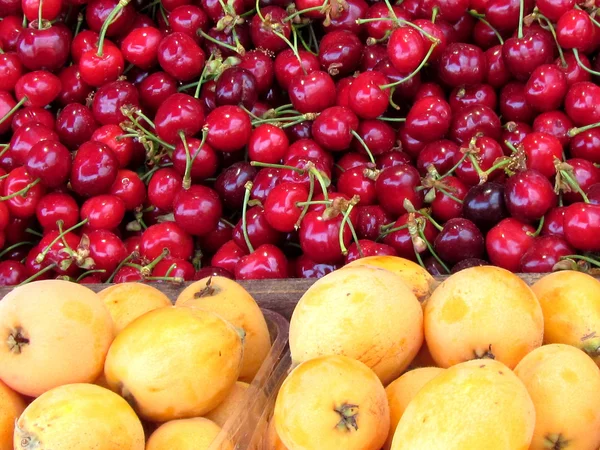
(345, 19)
(94, 169)
(513, 103)
(268, 144)
(529, 195)
(466, 263)
(155, 89)
(103, 212)
(523, 56)
(586, 145)
(440, 154)
(401, 240)
(39, 87)
(12, 273)
(97, 69)
(368, 248)
(312, 92)
(507, 242)
(266, 262)
(97, 12)
(128, 274)
(75, 125)
(332, 129)
(56, 206)
(378, 29)
(582, 226)
(497, 73)
(10, 28)
(140, 47)
(462, 64)
(429, 119)
(50, 161)
(479, 94)
(180, 113)
(488, 153)
(406, 49)
(25, 138)
(554, 222)
(541, 150)
(396, 184)
(555, 123)
(582, 103)
(287, 66)
(574, 29)
(319, 237)
(73, 88)
(22, 206)
(259, 230)
(546, 88)
(262, 33)
(4, 216)
(174, 268)
(180, 56)
(445, 205)
(585, 174)
(236, 85)
(356, 181)
(280, 209)
(474, 120)
(210, 271)
(31, 115)
(166, 235)
(365, 96)
(47, 48)
(163, 187)
(11, 70)
(574, 73)
(204, 159)
(109, 99)
(377, 134)
(513, 134)
(554, 9)
(228, 256)
(459, 239)
(545, 252)
(230, 184)
(340, 52)
(229, 128)
(105, 249)
(197, 210)
(307, 268)
(369, 220)
(259, 64)
(484, 205)
(213, 241)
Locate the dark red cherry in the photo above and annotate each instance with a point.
(474, 120)
(319, 237)
(480, 94)
(523, 55)
(364, 248)
(188, 19)
(333, 128)
(497, 72)
(259, 64)
(554, 222)
(264, 25)
(582, 226)
(94, 169)
(163, 187)
(12, 273)
(311, 92)
(407, 49)
(74, 89)
(10, 28)
(307, 268)
(230, 184)
(429, 119)
(11, 70)
(396, 184)
(487, 152)
(110, 98)
(546, 88)
(265, 181)
(180, 56)
(174, 268)
(402, 241)
(339, 52)
(210, 271)
(75, 125)
(44, 48)
(356, 181)
(507, 242)
(555, 123)
(50, 161)
(459, 239)
(514, 105)
(23, 140)
(197, 210)
(574, 29)
(287, 67)
(155, 89)
(439, 154)
(97, 12)
(236, 85)
(513, 134)
(545, 252)
(180, 113)
(369, 220)
(377, 134)
(258, 228)
(462, 64)
(484, 205)
(31, 115)
(529, 195)
(573, 71)
(585, 174)
(140, 47)
(167, 235)
(554, 9)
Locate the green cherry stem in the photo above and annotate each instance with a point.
(248, 188)
(37, 274)
(21, 192)
(414, 72)
(12, 247)
(582, 65)
(111, 17)
(582, 258)
(345, 220)
(311, 191)
(481, 18)
(433, 253)
(364, 145)
(521, 14)
(40, 257)
(89, 272)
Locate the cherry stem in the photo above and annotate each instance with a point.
(40, 15)
(498, 165)
(314, 202)
(217, 42)
(147, 269)
(392, 119)
(449, 195)
(13, 109)
(121, 264)
(537, 232)
(456, 166)
(277, 166)
(201, 80)
(574, 185)
(189, 160)
(430, 248)
(312, 169)
(89, 272)
(12, 247)
(550, 28)
(21, 192)
(40, 257)
(591, 16)
(482, 174)
(414, 72)
(293, 119)
(111, 17)
(391, 10)
(388, 231)
(575, 131)
(481, 18)
(248, 188)
(37, 274)
(364, 145)
(434, 13)
(33, 232)
(582, 258)
(346, 219)
(521, 14)
(425, 214)
(176, 280)
(582, 65)
(312, 8)
(78, 25)
(311, 191)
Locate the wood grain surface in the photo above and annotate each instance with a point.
(277, 295)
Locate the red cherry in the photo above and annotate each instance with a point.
(396, 184)
(507, 242)
(497, 72)
(582, 103)
(97, 12)
(228, 256)
(176, 268)
(280, 209)
(406, 49)
(445, 205)
(355, 182)
(197, 210)
(582, 226)
(38, 88)
(333, 128)
(59, 252)
(523, 55)
(155, 89)
(229, 128)
(109, 100)
(368, 248)
(10, 28)
(480, 94)
(340, 52)
(180, 56)
(263, 32)
(259, 64)
(574, 29)
(474, 120)
(529, 195)
(56, 206)
(11, 70)
(541, 150)
(236, 86)
(30, 115)
(140, 47)
(188, 19)
(311, 93)
(574, 72)
(307, 268)
(401, 240)
(268, 144)
(266, 262)
(287, 67)
(488, 152)
(555, 123)
(74, 89)
(30, 191)
(319, 237)
(103, 212)
(258, 228)
(12, 273)
(545, 252)
(265, 181)
(94, 169)
(44, 48)
(513, 103)
(585, 174)
(50, 161)
(439, 154)
(546, 88)
(75, 125)
(554, 9)
(309, 149)
(26, 137)
(167, 235)
(98, 67)
(554, 222)
(128, 274)
(462, 64)
(105, 249)
(180, 113)
(369, 220)
(204, 161)
(429, 119)
(164, 185)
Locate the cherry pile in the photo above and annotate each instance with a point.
(167, 140)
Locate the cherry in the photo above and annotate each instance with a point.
(462, 64)
(204, 162)
(574, 72)
(211, 242)
(554, 9)
(12, 273)
(379, 29)
(180, 56)
(287, 67)
(215, 11)
(140, 47)
(459, 239)
(174, 267)
(408, 143)
(169, 236)
(75, 125)
(4, 216)
(474, 120)
(449, 195)
(155, 89)
(26, 137)
(554, 222)
(259, 64)
(484, 205)
(545, 252)
(22, 192)
(94, 169)
(267, 26)
(574, 29)
(258, 229)
(586, 145)
(466, 263)
(474, 168)
(429, 119)
(409, 87)
(188, 19)
(529, 195)
(50, 161)
(236, 85)
(180, 113)
(105, 249)
(265, 181)
(546, 88)
(104, 212)
(309, 149)
(480, 94)
(406, 49)
(507, 242)
(209, 271)
(340, 52)
(311, 92)
(368, 248)
(16, 230)
(128, 274)
(585, 175)
(582, 103)
(110, 98)
(346, 18)
(266, 262)
(228, 256)
(101, 65)
(348, 161)
(229, 128)
(164, 185)
(10, 28)
(197, 210)
(333, 128)
(74, 89)
(307, 268)
(369, 220)
(45, 47)
(58, 251)
(581, 226)
(401, 239)
(541, 150)
(522, 55)
(30, 115)
(268, 144)
(230, 184)
(366, 98)
(356, 181)
(397, 184)
(377, 134)
(98, 11)
(319, 237)
(55, 207)
(439, 154)
(280, 209)
(497, 72)
(371, 57)
(11, 70)
(555, 123)
(513, 103)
